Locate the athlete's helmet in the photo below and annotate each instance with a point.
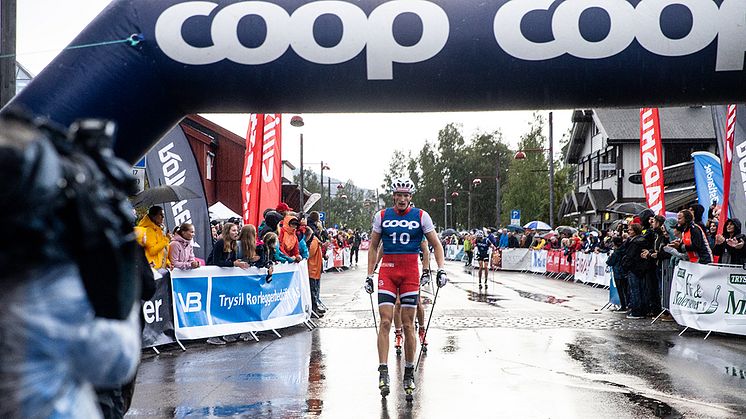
(402, 184)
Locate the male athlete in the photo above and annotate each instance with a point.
(401, 229)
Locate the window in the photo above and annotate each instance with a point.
(680, 153)
(209, 163)
(594, 166)
(587, 170)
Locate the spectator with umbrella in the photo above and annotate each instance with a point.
(156, 241)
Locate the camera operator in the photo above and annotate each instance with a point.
(68, 318)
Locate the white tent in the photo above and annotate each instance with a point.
(220, 212)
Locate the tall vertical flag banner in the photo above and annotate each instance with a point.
(708, 176)
(725, 129)
(651, 159)
(270, 185)
(252, 170)
(171, 162)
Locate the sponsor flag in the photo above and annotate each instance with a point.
(270, 185)
(651, 160)
(724, 119)
(708, 176)
(251, 170)
(171, 162)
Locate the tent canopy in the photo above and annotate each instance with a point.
(219, 212)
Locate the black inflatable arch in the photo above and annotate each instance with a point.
(384, 56)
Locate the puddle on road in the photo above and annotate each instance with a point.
(549, 299)
(484, 297)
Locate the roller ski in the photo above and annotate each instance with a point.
(423, 341)
(383, 380)
(397, 341)
(409, 384)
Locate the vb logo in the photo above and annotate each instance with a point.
(193, 302)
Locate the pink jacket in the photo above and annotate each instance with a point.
(180, 253)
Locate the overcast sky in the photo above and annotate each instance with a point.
(355, 146)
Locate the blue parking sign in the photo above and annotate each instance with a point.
(322, 216)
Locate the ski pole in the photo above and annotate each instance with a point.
(435, 300)
(372, 309)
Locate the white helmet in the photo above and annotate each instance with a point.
(402, 184)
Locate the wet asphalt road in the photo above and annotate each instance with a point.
(529, 347)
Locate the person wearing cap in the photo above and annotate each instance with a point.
(283, 208)
(401, 229)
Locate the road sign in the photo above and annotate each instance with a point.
(515, 217)
(607, 166)
(322, 216)
(140, 164)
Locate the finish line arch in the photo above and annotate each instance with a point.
(376, 56)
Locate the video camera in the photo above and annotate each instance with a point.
(64, 199)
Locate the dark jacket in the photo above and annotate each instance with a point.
(699, 245)
(699, 211)
(221, 258)
(659, 243)
(729, 254)
(632, 261)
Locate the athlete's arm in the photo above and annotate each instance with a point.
(380, 254)
(425, 255)
(375, 239)
(432, 238)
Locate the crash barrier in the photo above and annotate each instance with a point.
(158, 314)
(709, 298)
(337, 258)
(214, 301)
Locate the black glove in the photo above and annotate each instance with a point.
(425, 278)
(369, 284)
(441, 278)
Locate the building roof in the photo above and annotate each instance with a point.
(683, 124)
(599, 199)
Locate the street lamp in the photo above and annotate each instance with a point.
(521, 155)
(323, 167)
(297, 121)
(473, 184)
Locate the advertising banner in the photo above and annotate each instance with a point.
(252, 166)
(709, 298)
(553, 260)
(453, 250)
(159, 325)
(708, 176)
(583, 267)
(214, 301)
(171, 162)
(516, 259)
(734, 193)
(539, 261)
(365, 245)
(613, 291)
(601, 272)
(270, 185)
(651, 160)
(337, 258)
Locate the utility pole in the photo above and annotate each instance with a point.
(551, 171)
(497, 191)
(7, 49)
(445, 205)
(302, 193)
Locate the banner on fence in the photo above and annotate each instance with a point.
(337, 258)
(214, 301)
(159, 325)
(365, 245)
(516, 259)
(453, 250)
(539, 261)
(711, 298)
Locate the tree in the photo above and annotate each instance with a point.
(528, 180)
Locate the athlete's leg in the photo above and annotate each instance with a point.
(410, 344)
(420, 313)
(387, 313)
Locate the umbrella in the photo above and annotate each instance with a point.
(631, 208)
(548, 235)
(538, 225)
(567, 230)
(162, 194)
(514, 228)
(448, 232)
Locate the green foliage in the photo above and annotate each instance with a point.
(354, 211)
(449, 165)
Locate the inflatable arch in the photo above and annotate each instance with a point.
(384, 56)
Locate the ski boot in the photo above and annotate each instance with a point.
(423, 342)
(409, 383)
(383, 380)
(397, 341)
